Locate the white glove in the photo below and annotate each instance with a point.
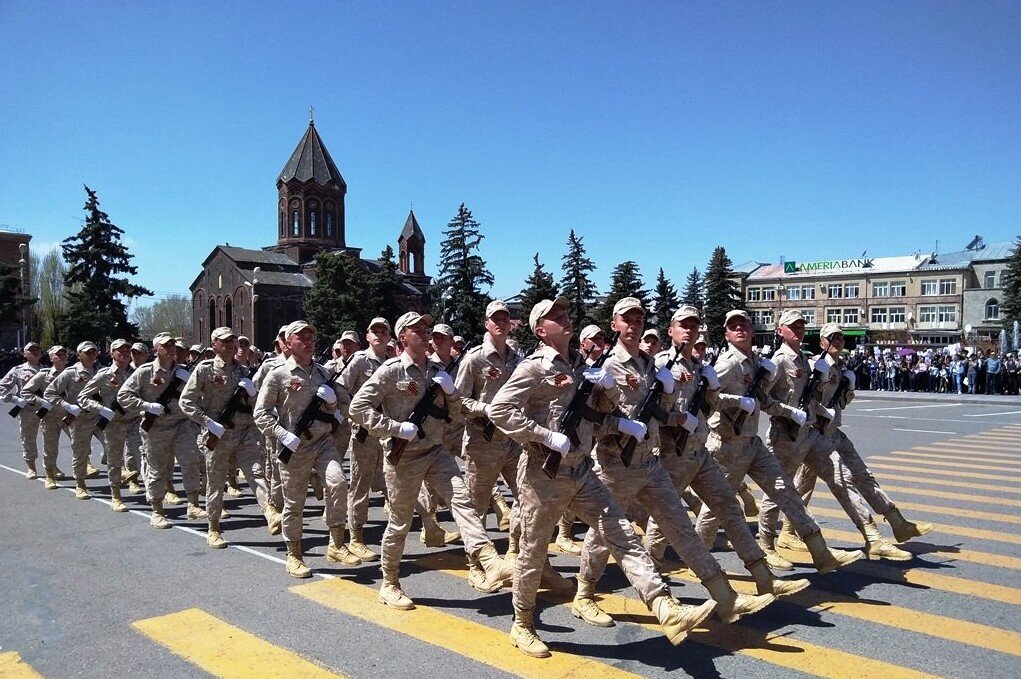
(632, 428)
(327, 394)
(831, 414)
(106, 413)
(598, 377)
(822, 366)
(182, 374)
(666, 378)
(408, 431)
(799, 417)
(289, 440)
(338, 415)
(768, 365)
(747, 404)
(215, 428)
(21, 403)
(443, 379)
(554, 440)
(711, 377)
(690, 422)
(154, 409)
(248, 386)
(73, 410)
(850, 378)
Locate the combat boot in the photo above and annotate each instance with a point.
(393, 596)
(128, 476)
(296, 567)
(553, 581)
(116, 504)
(195, 512)
(877, 547)
(213, 537)
(171, 498)
(827, 560)
(233, 489)
(31, 473)
(765, 583)
(496, 572)
(730, 606)
(90, 471)
(134, 488)
(502, 511)
(158, 518)
(904, 530)
(81, 492)
(678, 619)
(524, 638)
(433, 534)
(585, 607)
(50, 483)
(775, 561)
(358, 547)
(337, 551)
(58, 474)
(789, 539)
(274, 519)
(751, 508)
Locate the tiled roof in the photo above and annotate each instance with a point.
(312, 162)
(411, 228)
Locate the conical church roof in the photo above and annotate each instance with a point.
(312, 162)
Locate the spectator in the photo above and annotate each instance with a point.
(994, 366)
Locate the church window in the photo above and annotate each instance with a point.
(312, 225)
(228, 313)
(212, 313)
(329, 225)
(295, 223)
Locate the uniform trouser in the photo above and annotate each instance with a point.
(747, 455)
(483, 464)
(366, 459)
(51, 426)
(322, 456)
(543, 502)
(271, 466)
(437, 469)
(240, 446)
(116, 437)
(133, 448)
(649, 483)
(163, 442)
(28, 423)
(699, 470)
(83, 429)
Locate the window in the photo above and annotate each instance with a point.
(930, 287)
(228, 313)
(851, 290)
(807, 292)
(897, 314)
(754, 294)
(809, 315)
(295, 223)
(768, 294)
(313, 222)
(926, 314)
(794, 292)
(766, 317)
(881, 289)
(329, 225)
(836, 290)
(212, 314)
(833, 315)
(282, 232)
(990, 280)
(898, 288)
(947, 313)
(851, 316)
(947, 286)
(992, 310)
(879, 314)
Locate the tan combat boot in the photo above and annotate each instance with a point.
(31, 473)
(295, 566)
(134, 488)
(827, 560)
(678, 619)
(502, 511)
(512, 550)
(751, 508)
(274, 519)
(393, 596)
(789, 539)
(775, 561)
(524, 638)
(337, 551)
(876, 547)
(90, 471)
(116, 504)
(81, 492)
(233, 489)
(195, 512)
(58, 474)
(128, 476)
(171, 498)
(553, 581)
(50, 483)
(904, 530)
(158, 518)
(433, 534)
(765, 583)
(585, 607)
(730, 605)
(496, 572)
(358, 547)
(213, 537)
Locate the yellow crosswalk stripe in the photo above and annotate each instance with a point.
(1003, 435)
(13, 667)
(921, 549)
(928, 459)
(993, 444)
(223, 650)
(966, 452)
(945, 482)
(977, 533)
(941, 509)
(944, 472)
(968, 460)
(950, 495)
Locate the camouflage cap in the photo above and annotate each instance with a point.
(86, 346)
(220, 333)
(119, 344)
(410, 318)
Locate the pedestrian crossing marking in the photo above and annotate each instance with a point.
(965, 452)
(994, 444)
(944, 472)
(13, 667)
(932, 509)
(944, 460)
(467, 638)
(777, 649)
(977, 533)
(950, 495)
(993, 434)
(946, 482)
(922, 549)
(223, 650)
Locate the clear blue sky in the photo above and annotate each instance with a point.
(657, 130)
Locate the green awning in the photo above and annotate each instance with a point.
(849, 332)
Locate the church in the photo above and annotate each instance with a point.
(257, 291)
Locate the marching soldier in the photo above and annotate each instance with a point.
(528, 409)
(134, 463)
(153, 390)
(63, 390)
(12, 390)
(51, 415)
(269, 443)
(290, 389)
(213, 384)
(383, 405)
(734, 441)
(651, 343)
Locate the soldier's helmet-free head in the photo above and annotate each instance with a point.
(543, 307)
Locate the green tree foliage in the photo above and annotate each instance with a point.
(693, 292)
(625, 281)
(172, 315)
(1010, 307)
(538, 286)
(457, 293)
(52, 303)
(721, 295)
(577, 285)
(387, 289)
(94, 291)
(336, 300)
(14, 302)
(664, 303)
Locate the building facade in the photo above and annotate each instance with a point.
(15, 256)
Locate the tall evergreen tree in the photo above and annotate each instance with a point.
(1010, 307)
(459, 299)
(693, 292)
(336, 300)
(577, 285)
(538, 286)
(13, 300)
(625, 281)
(664, 303)
(387, 288)
(94, 291)
(721, 295)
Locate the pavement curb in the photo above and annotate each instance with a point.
(972, 399)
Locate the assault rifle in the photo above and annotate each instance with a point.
(698, 403)
(753, 389)
(171, 391)
(577, 410)
(238, 403)
(805, 402)
(13, 412)
(423, 409)
(837, 398)
(313, 412)
(649, 409)
(115, 406)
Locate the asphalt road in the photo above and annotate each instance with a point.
(87, 592)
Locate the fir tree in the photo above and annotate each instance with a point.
(721, 295)
(693, 293)
(95, 293)
(577, 285)
(625, 281)
(13, 300)
(1010, 307)
(336, 300)
(664, 304)
(538, 286)
(387, 288)
(459, 299)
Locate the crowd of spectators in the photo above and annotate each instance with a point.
(940, 372)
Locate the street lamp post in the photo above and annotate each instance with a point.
(255, 298)
(23, 270)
